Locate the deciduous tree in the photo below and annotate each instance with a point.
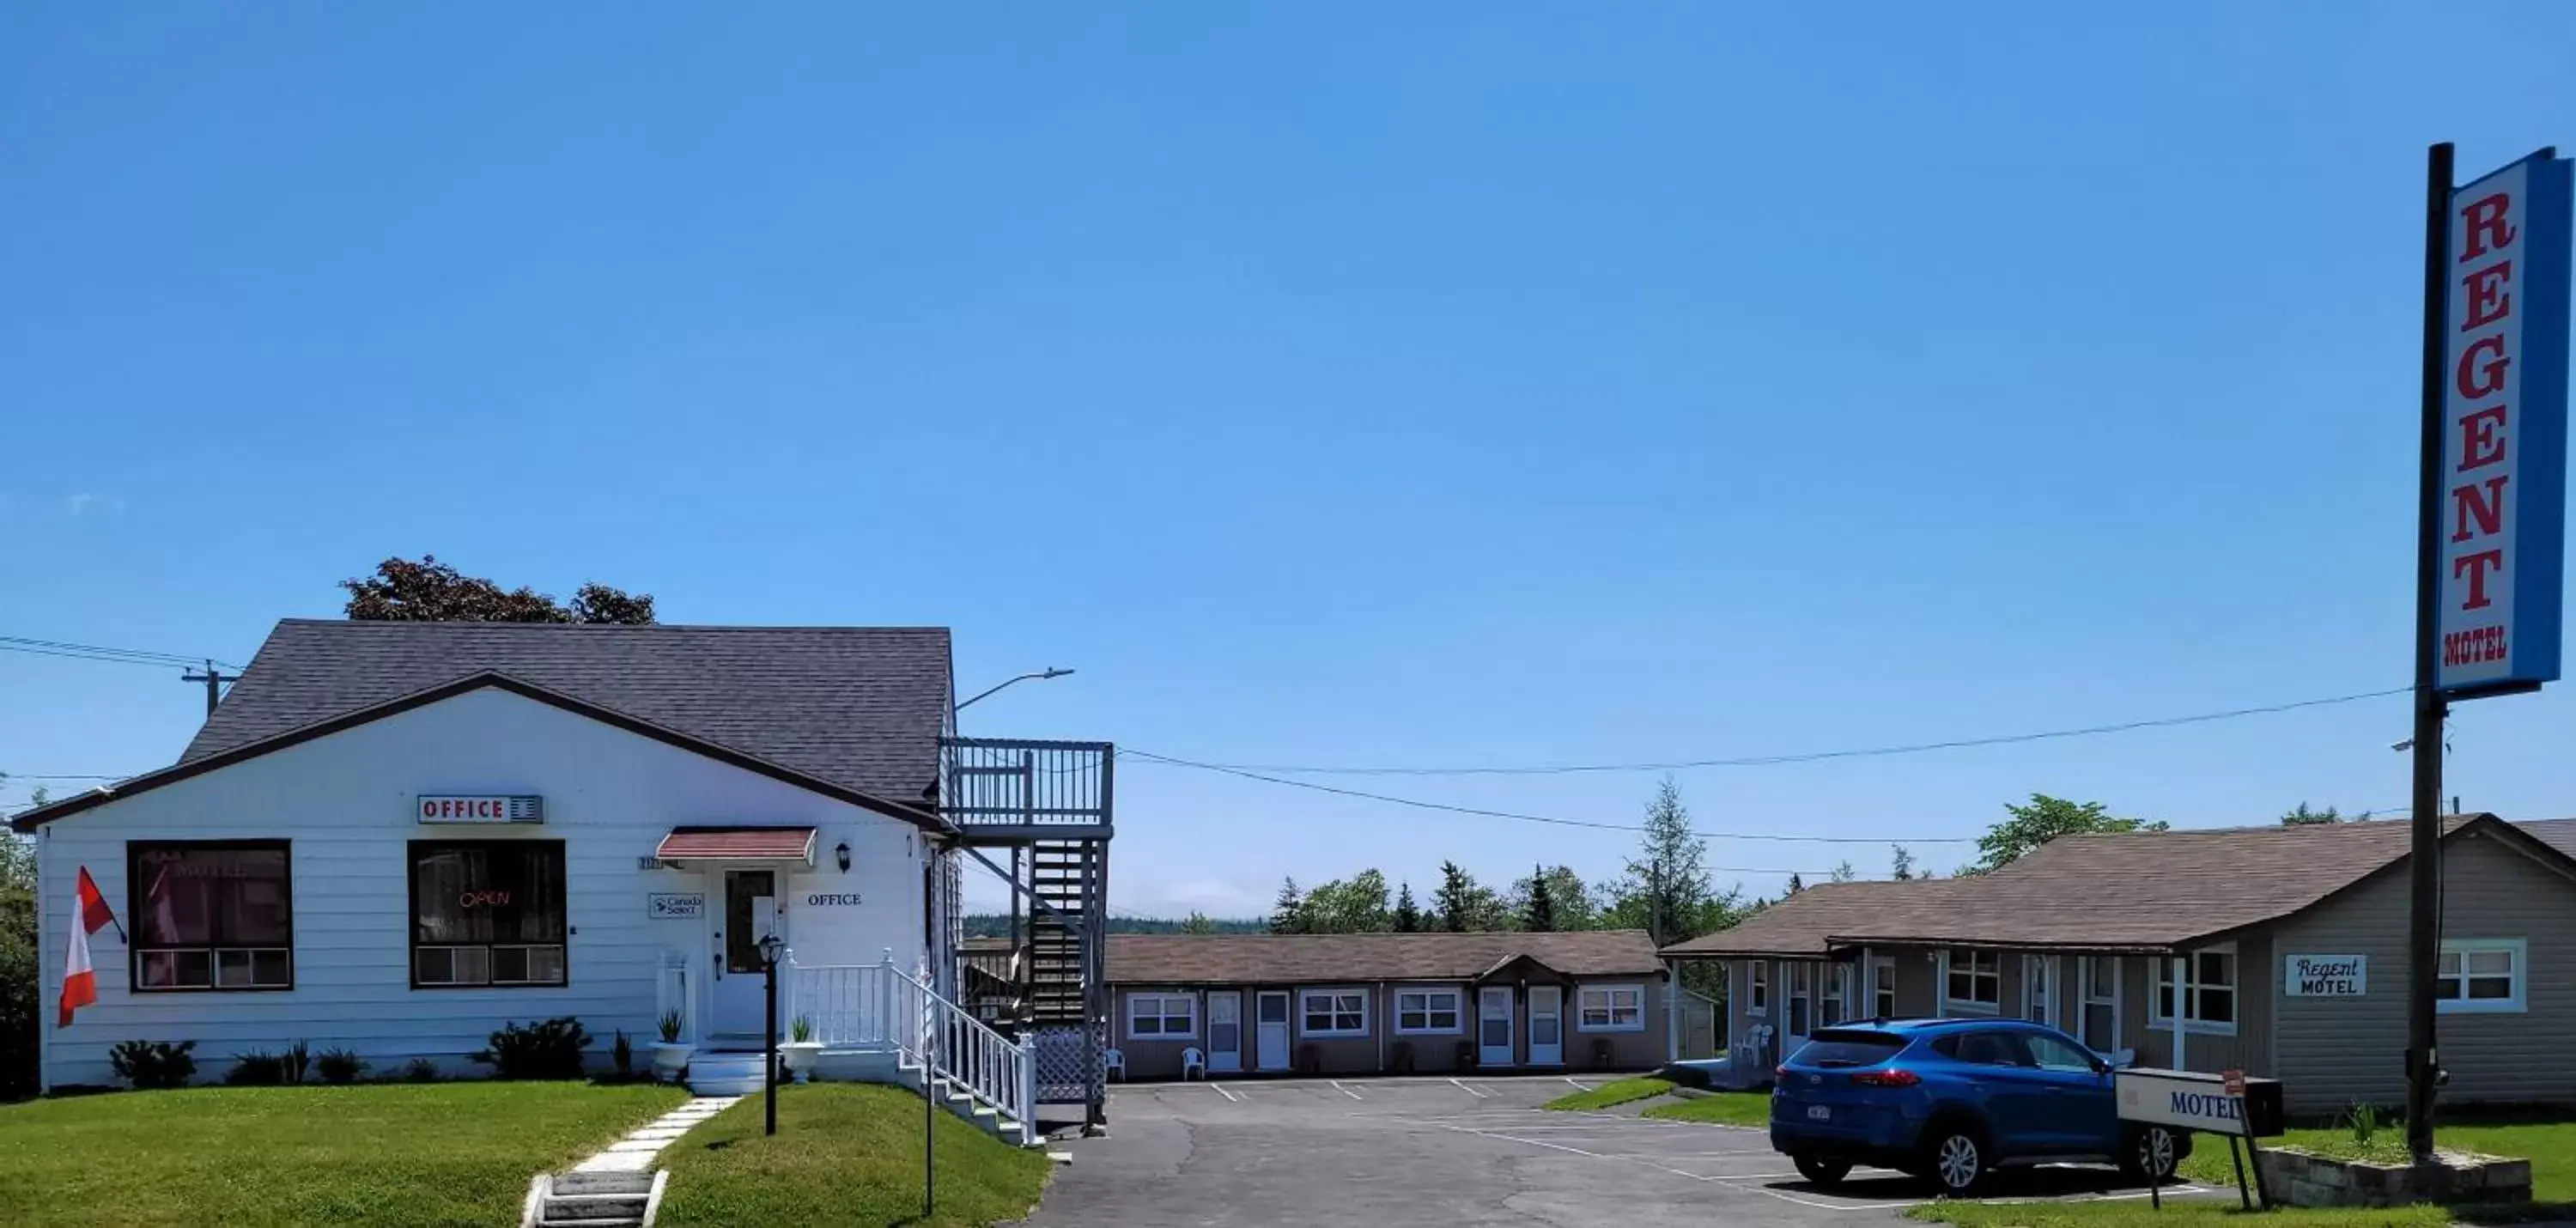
(2045, 819)
(402, 590)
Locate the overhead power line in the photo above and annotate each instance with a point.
(100, 652)
(2161, 722)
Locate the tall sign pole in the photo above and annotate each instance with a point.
(2491, 526)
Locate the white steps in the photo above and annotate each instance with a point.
(594, 1200)
(984, 1116)
(726, 1073)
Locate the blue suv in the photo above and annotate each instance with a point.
(1953, 1100)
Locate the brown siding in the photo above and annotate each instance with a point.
(1433, 1053)
(1154, 1058)
(2249, 1049)
(2334, 1051)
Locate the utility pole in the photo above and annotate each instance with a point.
(214, 679)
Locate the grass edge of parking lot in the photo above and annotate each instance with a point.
(1612, 1094)
(2139, 1213)
(1749, 1109)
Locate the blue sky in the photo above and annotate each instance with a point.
(1329, 384)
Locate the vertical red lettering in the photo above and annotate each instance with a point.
(2488, 301)
(2474, 379)
(2477, 566)
(2488, 509)
(2479, 445)
(2488, 228)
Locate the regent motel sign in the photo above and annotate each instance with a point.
(2504, 446)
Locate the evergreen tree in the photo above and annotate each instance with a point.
(1844, 873)
(1408, 919)
(1904, 863)
(1538, 915)
(1796, 886)
(1288, 915)
(1666, 890)
(1455, 903)
(1198, 923)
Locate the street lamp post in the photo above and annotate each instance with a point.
(770, 947)
(1041, 675)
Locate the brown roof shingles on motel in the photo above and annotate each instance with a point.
(2133, 891)
(1281, 959)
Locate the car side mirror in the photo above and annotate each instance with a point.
(2101, 1067)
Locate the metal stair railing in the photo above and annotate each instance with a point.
(882, 1006)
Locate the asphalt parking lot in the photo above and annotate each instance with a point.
(1453, 1151)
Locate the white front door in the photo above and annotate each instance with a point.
(1270, 1028)
(1494, 1026)
(1225, 1033)
(2038, 1000)
(1801, 1005)
(1547, 1025)
(750, 911)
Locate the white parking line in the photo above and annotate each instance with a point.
(1471, 1091)
(1337, 1086)
(1581, 1087)
(1222, 1090)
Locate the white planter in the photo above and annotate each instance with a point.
(800, 1055)
(669, 1059)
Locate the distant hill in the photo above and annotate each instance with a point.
(995, 925)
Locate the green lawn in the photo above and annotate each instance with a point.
(845, 1153)
(1723, 1108)
(1616, 1092)
(442, 1153)
(2551, 1148)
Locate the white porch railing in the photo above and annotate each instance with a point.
(880, 1006)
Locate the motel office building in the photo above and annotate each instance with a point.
(1359, 1004)
(2280, 951)
(395, 838)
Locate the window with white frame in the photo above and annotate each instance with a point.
(2480, 975)
(1610, 1008)
(1975, 981)
(1427, 1011)
(1334, 1012)
(1835, 992)
(1757, 991)
(1162, 1016)
(1882, 975)
(2209, 989)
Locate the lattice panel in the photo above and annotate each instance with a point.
(1068, 1072)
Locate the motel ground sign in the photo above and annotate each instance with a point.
(2504, 443)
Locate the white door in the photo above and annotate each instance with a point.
(1225, 1033)
(750, 912)
(1547, 1025)
(1801, 1004)
(2101, 1022)
(1270, 1028)
(2038, 999)
(1494, 1026)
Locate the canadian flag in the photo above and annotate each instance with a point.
(80, 983)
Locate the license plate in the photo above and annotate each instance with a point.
(1818, 1112)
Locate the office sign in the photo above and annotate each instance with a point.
(2325, 976)
(2504, 443)
(675, 905)
(478, 808)
(2189, 1100)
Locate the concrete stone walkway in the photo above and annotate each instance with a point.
(634, 1153)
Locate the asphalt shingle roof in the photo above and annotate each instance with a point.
(1247, 959)
(2123, 891)
(857, 707)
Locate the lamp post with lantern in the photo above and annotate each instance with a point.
(770, 950)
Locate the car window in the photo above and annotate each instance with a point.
(2054, 1054)
(1847, 1048)
(1991, 1049)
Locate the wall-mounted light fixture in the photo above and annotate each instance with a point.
(842, 855)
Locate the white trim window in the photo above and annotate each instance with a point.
(1833, 994)
(1429, 1012)
(1162, 1016)
(2209, 992)
(1882, 975)
(2481, 976)
(1972, 981)
(1332, 1012)
(1610, 1008)
(1757, 991)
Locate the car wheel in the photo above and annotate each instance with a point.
(2152, 1154)
(1821, 1170)
(1957, 1160)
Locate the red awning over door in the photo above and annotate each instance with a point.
(738, 844)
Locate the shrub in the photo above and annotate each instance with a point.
(339, 1066)
(547, 1050)
(153, 1064)
(420, 1070)
(2363, 1121)
(669, 1026)
(256, 1068)
(800, 1029)
(622, 1054)
(293, 1063)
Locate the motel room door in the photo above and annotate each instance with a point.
(1494, 1026)
(1547, 1025)
(1225, 1033)
(750, 911)
(1270, 1028)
